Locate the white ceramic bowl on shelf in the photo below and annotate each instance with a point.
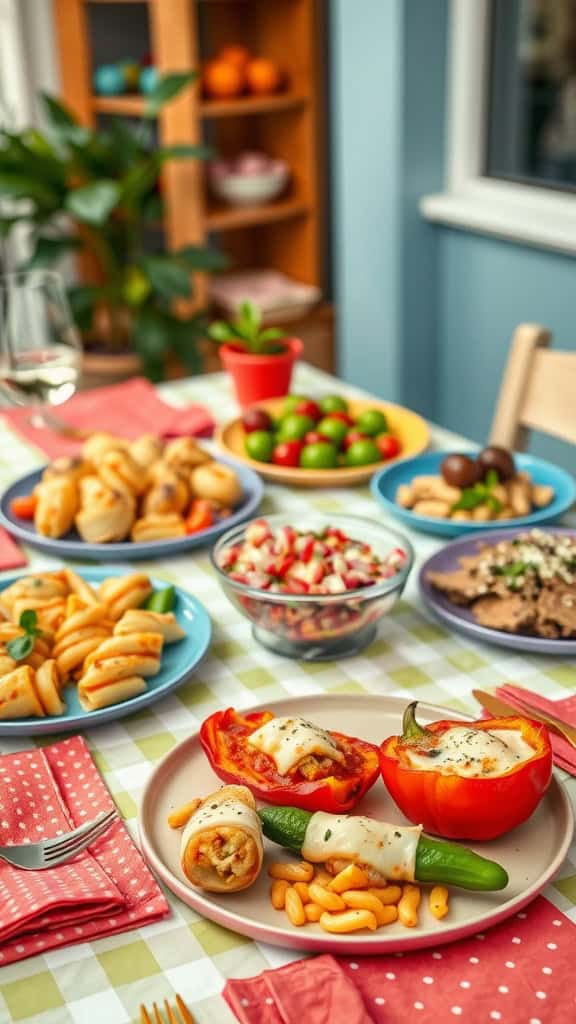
(249, 189)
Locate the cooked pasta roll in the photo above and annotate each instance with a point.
(221, 848)
(172, 495)
(69, 466)
(93, 696)
(80, 587)
(40, 652)
(72, 650)
(184, 454)
(84, 617)
(57, 504)
(18, 696)
(158, 527)
(147, 645)
(119, 472)
(146, 450)
(9, 631)
(123, 592)
(137, 620)
(41, 586)
(99, 444)
(49, 613)
(106, 518)
(48, 688)
(7, 664)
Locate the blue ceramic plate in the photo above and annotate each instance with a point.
(462, 619)
(385, 484)
(178, 662)
(126, 551)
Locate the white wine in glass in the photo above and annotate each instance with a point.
(40, 350)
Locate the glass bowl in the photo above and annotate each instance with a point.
(315, 627)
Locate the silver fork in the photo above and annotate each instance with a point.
(50, 852)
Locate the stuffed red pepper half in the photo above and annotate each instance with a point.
(288, 760)
(467, 780)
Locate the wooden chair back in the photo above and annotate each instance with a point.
(538, 391)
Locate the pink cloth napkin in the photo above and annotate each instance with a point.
(128, 409)
(519, 972)
(11, 555)
(104, 890)
(564, 754)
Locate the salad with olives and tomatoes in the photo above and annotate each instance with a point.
(475, 488)
(318, 434)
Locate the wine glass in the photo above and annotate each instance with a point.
(40, 349)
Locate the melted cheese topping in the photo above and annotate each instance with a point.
(473, 753)
(227, 814)
(388, 849)
(289, 740)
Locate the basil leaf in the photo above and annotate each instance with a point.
(20, 647)
(491, 478)
(29, 620)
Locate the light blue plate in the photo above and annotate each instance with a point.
(385, 484)
(126, 551)
(178, 662)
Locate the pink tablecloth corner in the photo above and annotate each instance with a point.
(11, 554)
(105, 890)
(128, 409)
(519, 972)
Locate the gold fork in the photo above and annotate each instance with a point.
(172, 1016)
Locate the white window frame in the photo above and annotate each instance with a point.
(525, 213)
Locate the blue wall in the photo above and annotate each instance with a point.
(425, 313)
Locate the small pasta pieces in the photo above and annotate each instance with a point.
(361, 899)
(324, 898)
(348, 921)
(291, 871)
(388, 895)
(278, 891)
(294, 907)
(408, 905)
(351, 877)
(438, 901)
(313, 912)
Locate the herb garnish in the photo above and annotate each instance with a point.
(21, 646)
(480, 494)
(327, 834)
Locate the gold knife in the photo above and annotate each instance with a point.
(496, 706)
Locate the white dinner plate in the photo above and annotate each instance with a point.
(531, 853)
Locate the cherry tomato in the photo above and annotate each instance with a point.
(256, 419)
(200, 516)
(313, 437)
(24, 507)
(351, 436)
(388, 445)
(287, 453)
(306, 407)
(344, 416)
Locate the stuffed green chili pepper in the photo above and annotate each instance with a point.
(383, 851)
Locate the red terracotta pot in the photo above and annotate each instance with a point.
(260, 376)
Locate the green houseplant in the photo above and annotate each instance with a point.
(101, 191)
(259, 359)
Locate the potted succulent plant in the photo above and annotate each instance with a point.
(259, 359)
(100, 191)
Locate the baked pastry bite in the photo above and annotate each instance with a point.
(222, 848)
(69, 466)
(56, 506)
(119, 471)
(105, 516)
(184, 454)
(146, 450)
(99, 444)
(170, 493)
(158, 527)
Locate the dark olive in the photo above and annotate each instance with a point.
(498, 459)
(460, 471)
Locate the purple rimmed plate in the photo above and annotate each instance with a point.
(462, 619)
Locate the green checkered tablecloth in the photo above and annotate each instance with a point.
(106, 980)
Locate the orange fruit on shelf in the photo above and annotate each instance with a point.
(235, 54)
(222, 80)
(263, 76)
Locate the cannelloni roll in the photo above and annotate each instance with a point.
(138, 620)
(94, 694)
(221, 849)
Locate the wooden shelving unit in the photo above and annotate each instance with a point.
(286, 234)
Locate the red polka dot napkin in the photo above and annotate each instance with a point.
(520, 972)
(128, 409)
(104, 890)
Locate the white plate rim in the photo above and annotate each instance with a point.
(287, 936)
